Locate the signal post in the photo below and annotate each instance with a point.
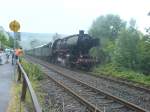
(15, 27)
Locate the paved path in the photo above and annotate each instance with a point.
(6, 79)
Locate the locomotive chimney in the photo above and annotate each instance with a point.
(81, 32)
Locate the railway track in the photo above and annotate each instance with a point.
(58, 100)
(126, 82)
(95, 99)
(89, 106)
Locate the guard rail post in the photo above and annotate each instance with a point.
(19, 73)
(24, 89)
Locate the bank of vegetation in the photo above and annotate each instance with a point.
(124, 51)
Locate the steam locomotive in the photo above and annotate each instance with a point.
(72, 51)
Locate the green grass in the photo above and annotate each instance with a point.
(118, 72)
(36, 76)
(34, 71)
(14, 104)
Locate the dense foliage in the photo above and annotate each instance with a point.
(126, 49)
(4, 40)
(7, 42)
(121, 44)
(144, 55)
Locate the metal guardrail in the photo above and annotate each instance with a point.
(26, 84)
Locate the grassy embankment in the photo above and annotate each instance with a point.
(118, 72)
(35, 75)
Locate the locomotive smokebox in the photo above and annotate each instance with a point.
(81, 32)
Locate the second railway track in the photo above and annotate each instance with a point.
(97, 100)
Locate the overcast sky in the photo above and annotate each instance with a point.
(68, 16)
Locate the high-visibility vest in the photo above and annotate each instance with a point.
(18, 52)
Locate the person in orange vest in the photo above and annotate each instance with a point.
(18, 53)
(21, 53)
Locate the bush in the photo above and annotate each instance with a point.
(34, 71)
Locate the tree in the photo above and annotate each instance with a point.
(99, 53)
(148, 29)
(132, 24)
(144, 52)
(126, 51)
(11, 42)
(144, 55)
(107, 27)
(3, 40)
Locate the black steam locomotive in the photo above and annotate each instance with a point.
(70, 51)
